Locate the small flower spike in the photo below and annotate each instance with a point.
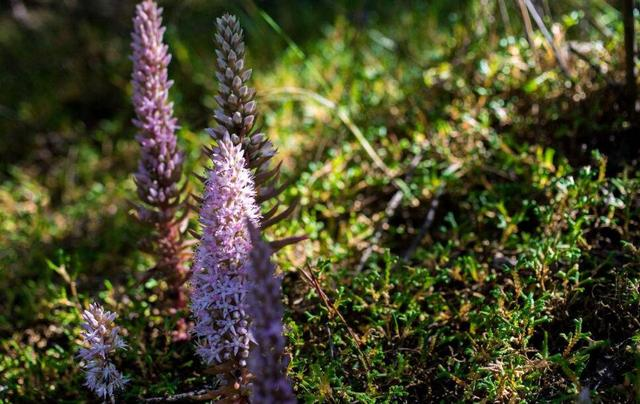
(160, 166)
(270, 384)
(100, 340)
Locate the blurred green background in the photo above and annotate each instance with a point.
(523, 285)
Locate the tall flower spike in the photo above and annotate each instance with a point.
(221, 262)
(101, 339)
(160, 165)
(266, 364)
(236, 113)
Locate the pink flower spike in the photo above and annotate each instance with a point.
(160, 166)
(220, 265)
(101, 338)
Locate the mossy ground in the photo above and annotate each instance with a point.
(494, 198)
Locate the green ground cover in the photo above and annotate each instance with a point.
(473, 211)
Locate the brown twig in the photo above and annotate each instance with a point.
(310, 277)
(225, 394)
(191, 395)
(547, 35)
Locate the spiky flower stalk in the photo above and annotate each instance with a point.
(221, 262)
(236, 116)
(160, 165)
(236, 112)
(270, 384)
(238, 181)
(101, 338)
